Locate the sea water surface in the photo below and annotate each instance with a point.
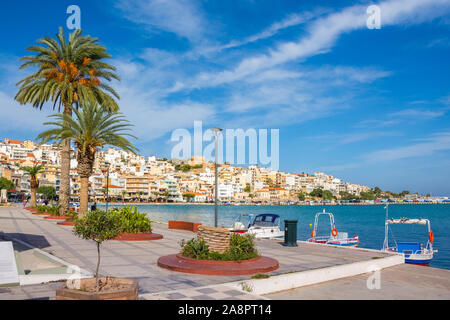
(367, 221)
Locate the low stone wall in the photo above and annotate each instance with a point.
(218, 239)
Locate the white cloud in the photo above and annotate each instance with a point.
(22, 118)
(181, 17)
(152, 118)
(348, 138)
(418, 114)
(290, 21)
(322, 34)
(428, 146)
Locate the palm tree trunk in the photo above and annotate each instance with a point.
(64, 189)
(84, 196)
(33, 197)
(33, 187)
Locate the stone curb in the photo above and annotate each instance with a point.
(310, 277)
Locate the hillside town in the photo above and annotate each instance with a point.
(128, 177)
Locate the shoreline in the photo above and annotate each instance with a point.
(264, 204)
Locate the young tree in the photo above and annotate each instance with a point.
(98, 226)
(68, 73)
(91, 129)
(5, 184)
(48, 192)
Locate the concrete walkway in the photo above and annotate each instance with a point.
(137, 260)
(405, 282)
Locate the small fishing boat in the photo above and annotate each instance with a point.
(335, 238)
(414, 252)
(263, 226)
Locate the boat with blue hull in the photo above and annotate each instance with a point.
(335, 238)
(414, 252)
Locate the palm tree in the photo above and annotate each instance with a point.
(123, 196)
(34, 183)
(68, 74)
(91, 129)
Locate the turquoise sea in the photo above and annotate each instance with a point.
(365, 221)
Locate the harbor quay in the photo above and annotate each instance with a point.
(48, 253)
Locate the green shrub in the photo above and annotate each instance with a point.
(131, 221)
(42, 209)
(54, 211)
(195, 249)
(242, 247)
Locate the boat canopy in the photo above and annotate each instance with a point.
(407, 221)
(266, 219)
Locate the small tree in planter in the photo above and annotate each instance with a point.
(98, 226)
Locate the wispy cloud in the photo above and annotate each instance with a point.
(424, 147)
(349, 138)
(428, 146)
(291, 20)
(322, 34)
(23, 119)
(418, 114)
(181, 17)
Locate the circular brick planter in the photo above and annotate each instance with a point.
(40, 213)
(178, 263)
(66, 223)
(57, 217)
(138, 237)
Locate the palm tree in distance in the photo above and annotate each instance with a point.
(91, 129)
(34, 182)
(68, 75)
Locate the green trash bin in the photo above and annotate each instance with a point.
(290, 233)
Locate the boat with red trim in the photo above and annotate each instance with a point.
(335, 237)
(414, 252)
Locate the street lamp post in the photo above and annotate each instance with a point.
(107, 186)
(216, 132)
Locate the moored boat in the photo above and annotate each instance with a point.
(263, 226)
(335, 238)
(414, 252)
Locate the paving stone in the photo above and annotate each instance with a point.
(175, 296)
(207, 290)
(203, 297)
(233, 293)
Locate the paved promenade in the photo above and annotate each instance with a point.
(137, 260)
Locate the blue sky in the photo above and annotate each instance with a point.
(369, 106)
